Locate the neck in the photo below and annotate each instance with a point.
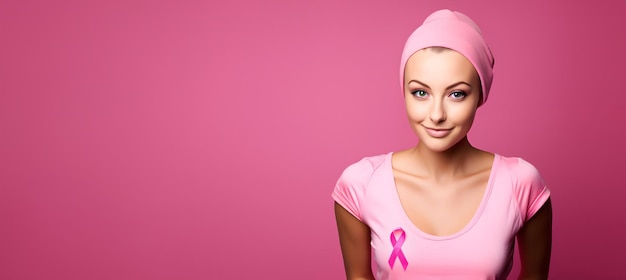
(443, 166)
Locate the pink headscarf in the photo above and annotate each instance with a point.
(456, 31)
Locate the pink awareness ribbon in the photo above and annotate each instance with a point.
(397, 248)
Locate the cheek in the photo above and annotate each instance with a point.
(415, 113)
(463, 115)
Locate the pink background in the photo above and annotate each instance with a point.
(201, 140)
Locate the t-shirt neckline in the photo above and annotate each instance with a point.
(409, 224)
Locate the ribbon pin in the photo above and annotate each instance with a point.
(397, 248)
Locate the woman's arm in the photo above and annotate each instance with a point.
(354, 238)
(535, 242)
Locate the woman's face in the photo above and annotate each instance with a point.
(441, 92)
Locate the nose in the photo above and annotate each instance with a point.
(437, 112)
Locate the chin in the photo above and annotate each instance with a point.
(439, 145)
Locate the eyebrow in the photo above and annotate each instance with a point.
(448, 88)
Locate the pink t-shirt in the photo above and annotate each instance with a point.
(483, 249)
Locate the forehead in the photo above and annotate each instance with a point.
(439, 64)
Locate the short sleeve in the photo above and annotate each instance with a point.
(531, 191)
(350, 188)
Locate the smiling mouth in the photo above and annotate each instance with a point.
(437, 132)
(437, 129)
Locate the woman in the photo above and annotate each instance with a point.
(443, 209)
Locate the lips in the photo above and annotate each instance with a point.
(438, 132)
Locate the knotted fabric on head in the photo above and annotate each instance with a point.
(456, 31)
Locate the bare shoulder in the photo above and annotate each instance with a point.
(482, 160)
(404, 160)
(402, 154)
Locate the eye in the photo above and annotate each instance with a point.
(458, 94)
(419, 93)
